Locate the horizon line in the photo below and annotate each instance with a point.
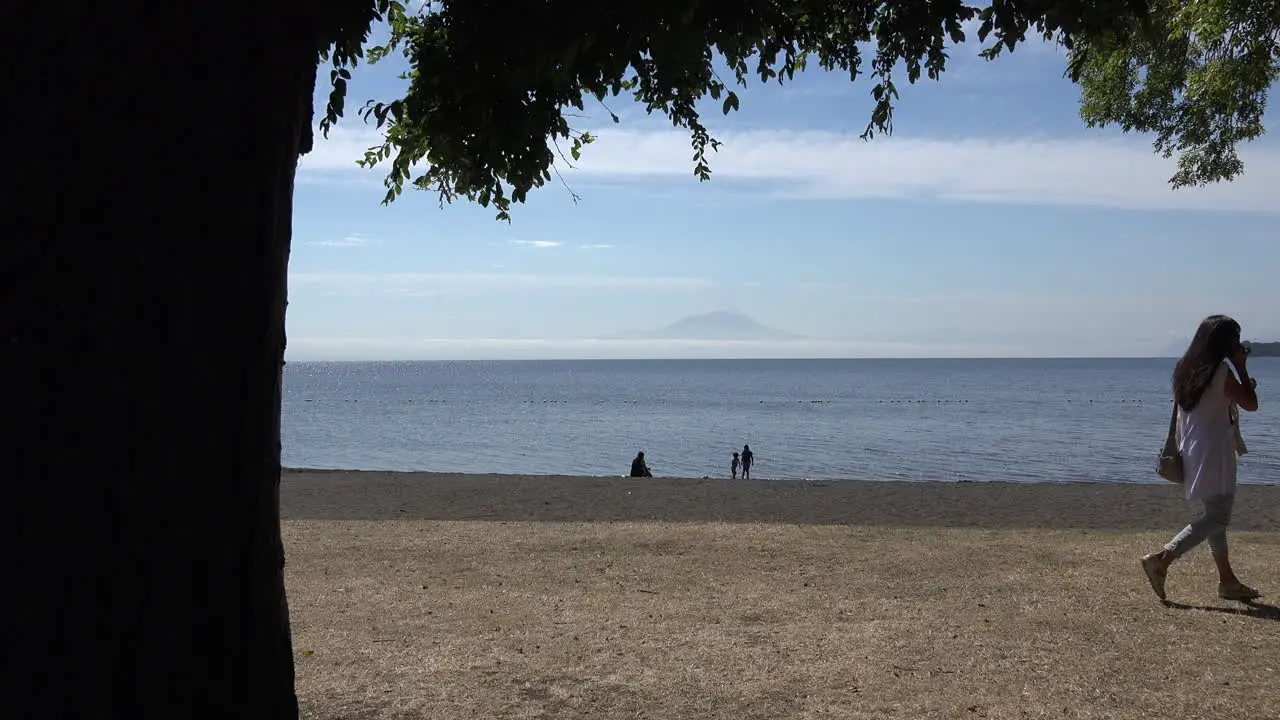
(724, 359)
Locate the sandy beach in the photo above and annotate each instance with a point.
(420, 595)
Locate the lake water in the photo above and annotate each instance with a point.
(1022, 420)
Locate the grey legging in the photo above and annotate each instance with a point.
(1211, 526)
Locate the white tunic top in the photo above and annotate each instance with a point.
(1206, 439)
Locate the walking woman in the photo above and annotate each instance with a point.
(1205, 390)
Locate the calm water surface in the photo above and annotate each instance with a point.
(1022, 420)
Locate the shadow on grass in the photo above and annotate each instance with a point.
(346, 495)
(1262, 611)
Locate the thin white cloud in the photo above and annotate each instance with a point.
(1108, 173)
(928, 324)
(538, 243)
(1086, 170)
(351, 240)
(360, 348)
(423, 284)
(595, 246)
(823, 284)
(402, 291)
(337, 178)
(345, 145)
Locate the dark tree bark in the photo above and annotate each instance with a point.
(145, 251)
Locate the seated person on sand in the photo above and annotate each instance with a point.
(638, 466)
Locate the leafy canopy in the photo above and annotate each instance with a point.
(492, 85)
(1195, 74)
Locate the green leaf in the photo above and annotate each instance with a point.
(487, 91)
(730, 102)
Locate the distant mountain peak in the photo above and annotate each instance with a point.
(718, 325)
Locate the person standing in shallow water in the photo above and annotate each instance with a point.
(748, 458)
(733, 466)
(1205, 390)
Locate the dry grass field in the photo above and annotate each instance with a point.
(443, 596)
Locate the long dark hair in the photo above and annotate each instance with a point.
(1215, 340)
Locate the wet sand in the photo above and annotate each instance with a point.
(353, 495)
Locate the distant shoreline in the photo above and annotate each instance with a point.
(1263, 349)
(379, 496)
(427, 475)
(722, 359)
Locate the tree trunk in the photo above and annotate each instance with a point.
(149, 205)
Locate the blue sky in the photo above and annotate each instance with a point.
(992, 223)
